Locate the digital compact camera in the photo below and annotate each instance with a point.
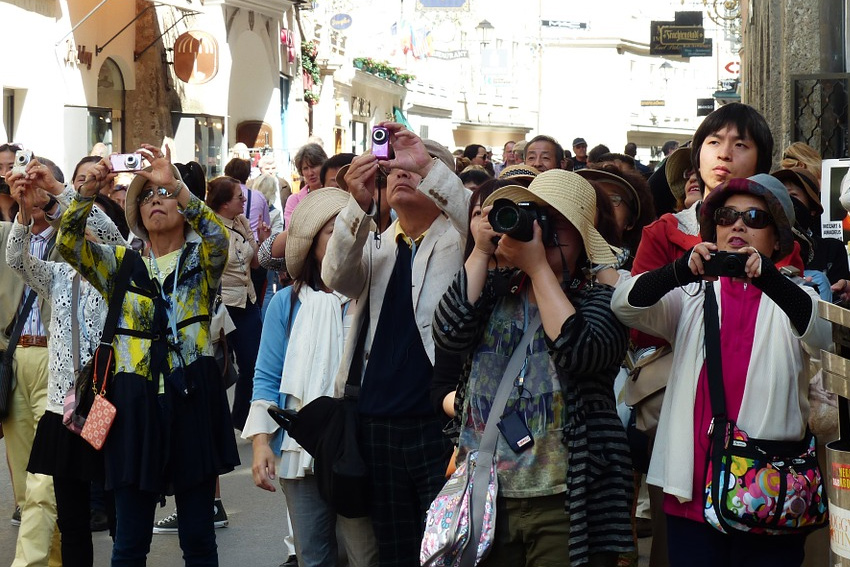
(729, 264)
(380, 142)
(22, 159)
(126, 162)
(517, 220)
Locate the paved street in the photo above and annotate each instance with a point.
(255, 530)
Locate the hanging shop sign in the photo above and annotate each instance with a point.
(195, 57)
(341, 22)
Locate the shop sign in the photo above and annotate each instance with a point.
(705, 106)
(456, 54)
(78, 55)
(705, 50)
(195, 57)
(564, 24)
(656, 102)
(682, 35)
(451, 4)
(341, 22)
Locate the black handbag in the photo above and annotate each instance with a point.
(7, 373)
(328, 428)
(752, 485)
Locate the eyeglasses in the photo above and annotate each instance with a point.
(148, 195)
(753, 218)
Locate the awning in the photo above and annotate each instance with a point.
(401, 118)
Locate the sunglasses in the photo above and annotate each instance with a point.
(148, 195)
(753, 218)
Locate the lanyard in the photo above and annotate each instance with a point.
(169, 305)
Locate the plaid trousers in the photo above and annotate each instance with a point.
(407, 458)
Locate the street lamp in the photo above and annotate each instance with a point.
(483, 29)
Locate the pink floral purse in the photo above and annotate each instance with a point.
(102, 413)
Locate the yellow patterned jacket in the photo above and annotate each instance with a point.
(143, 330)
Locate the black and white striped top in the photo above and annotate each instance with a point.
(587, 355)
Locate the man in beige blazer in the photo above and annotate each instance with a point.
(400, 278)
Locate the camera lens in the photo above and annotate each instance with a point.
(131, 160)
(379, 136)
(505, 219)
(21, 159)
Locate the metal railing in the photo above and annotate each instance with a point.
(820, 116)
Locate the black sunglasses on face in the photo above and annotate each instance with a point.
(753, 218)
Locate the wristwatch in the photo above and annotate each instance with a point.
(173, 194)
(51, 202)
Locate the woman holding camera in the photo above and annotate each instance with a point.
(564, 393)
(172, 433)
(293, 369)
(763, 365)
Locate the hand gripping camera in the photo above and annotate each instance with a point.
(517, 220)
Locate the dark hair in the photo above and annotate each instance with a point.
(559, 150)
(479, 196)
(113, 210)
(749, 122)
(611, 157)
(311, 153)
(194, 178)
(13, 147)
(311, 275)
(630, 149)
(476, 176)
(82, 162)
(54, 169)
(334, 162)
(669, 146)
(239, 169)
(220, 190)
(471, 151)
(594, 154)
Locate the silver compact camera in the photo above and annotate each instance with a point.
(22, 159)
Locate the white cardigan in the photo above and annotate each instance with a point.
(775, 403)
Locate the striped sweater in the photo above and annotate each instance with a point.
(586, 356)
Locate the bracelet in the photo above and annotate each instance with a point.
(51, 202)
(173, 194)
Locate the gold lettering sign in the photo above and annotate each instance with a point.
(195, 57)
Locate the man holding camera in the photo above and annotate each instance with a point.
(399, 280)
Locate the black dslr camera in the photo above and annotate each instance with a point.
(517, 220)
(729, 264)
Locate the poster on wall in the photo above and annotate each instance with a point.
(835, 176)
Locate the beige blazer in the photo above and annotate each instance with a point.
(353, 260)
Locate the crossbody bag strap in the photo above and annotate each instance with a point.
(19, 325)
(355, 371)
(248, 207)
(489, 439)
(75, 321)
(122, 282)
(713, 362)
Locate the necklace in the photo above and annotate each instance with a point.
(153, 264)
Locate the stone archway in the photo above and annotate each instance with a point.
(110, 94)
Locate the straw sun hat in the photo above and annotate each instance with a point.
(308, 218)
(572, 196)
(131, 206)
(519, 171)
(674, 169)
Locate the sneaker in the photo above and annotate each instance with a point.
(167, 525)
(220, 518)
(98, 522)
(16, 516)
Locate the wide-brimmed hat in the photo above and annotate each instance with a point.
(519, 171)
(805, 179)
(308, 218)
(675, 167)
(131, 206)
(605, 176)
(762, 185)
(434, 149)
(571, 195)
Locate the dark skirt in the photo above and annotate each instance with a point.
(166, 443)
(58, 452)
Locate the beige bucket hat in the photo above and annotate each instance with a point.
(308, 218)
